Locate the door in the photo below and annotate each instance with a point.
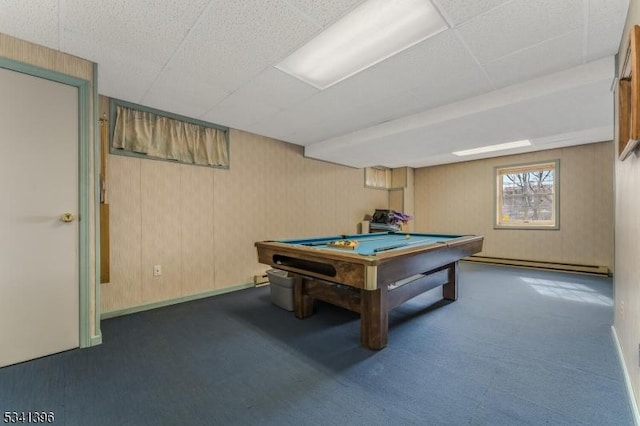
(39, 252)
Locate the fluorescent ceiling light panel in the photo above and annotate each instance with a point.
(372, 32)
(491, 148)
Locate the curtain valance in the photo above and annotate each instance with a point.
(155, 135)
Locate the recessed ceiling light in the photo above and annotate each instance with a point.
(374, 31)
(491, 148)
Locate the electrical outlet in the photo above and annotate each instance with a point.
(157, 270)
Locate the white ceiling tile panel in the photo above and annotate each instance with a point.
(324, 11)
(349, 120)
(275, 126)
(278, 88)
(183, 94)
(518, 25)
(390, 108)
(461, 83)
(126, 77)
(35, 21)
(239, 112)
(293, 121)
(417, 70)
(606, 20)
(458, 11)
(234, 41)
(145, 28)
(318, 108)
(544, 58)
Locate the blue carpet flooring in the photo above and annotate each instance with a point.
(519, 347)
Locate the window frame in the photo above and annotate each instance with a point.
(499, 171)
(370, 174)
(114, 103)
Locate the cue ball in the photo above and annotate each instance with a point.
(407, 236)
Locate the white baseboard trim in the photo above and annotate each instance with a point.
(168, 302)
(627, 379)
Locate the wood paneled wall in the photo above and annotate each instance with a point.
(200, 223)
(459, 198)
(627, 242)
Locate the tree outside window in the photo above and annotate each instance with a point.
(527, 196)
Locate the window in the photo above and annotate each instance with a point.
(149, 133)
(527, 196)
(377, 177)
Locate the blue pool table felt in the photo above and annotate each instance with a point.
(372, 244)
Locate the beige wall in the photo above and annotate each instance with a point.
(459, 198)
(627, 246)
(39, 56)
(201, 223)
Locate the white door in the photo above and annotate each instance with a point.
(39, 253)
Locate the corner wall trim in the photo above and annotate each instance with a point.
(168, 302)
(627, 379)
(96, 340)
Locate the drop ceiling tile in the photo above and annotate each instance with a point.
(518, 25)
(235, 41)
(318, 108)
(391, 108)
(606, 21)
(146, 29)
(306, 123)
(277, 126)
(459, 11)
(239, 112)
(325, 12)
(460, 84)
(544, 58)
(416, 69)
(183, 94)
(123, 75)
(34, 21)
(277, 88)
(362, 117)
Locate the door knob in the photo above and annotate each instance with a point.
(67, 217)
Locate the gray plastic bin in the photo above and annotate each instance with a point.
(281, 285)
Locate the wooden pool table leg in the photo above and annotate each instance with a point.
(303, 304)
(374, 319)
(450, 290)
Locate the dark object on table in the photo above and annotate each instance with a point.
(388, 220)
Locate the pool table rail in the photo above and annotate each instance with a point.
(370, 284)
(365, 271)
(341, 267)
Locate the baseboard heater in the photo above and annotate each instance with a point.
(569, 267)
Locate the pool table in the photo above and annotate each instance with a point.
(383, 271)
